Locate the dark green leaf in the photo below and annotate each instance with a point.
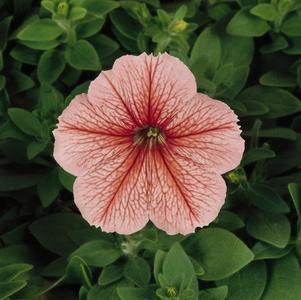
(50, 67)
(138, 271)
(98, 253)
(25, 121)
(271, 228)
(82, 56)
(285, 280)
(52, 231)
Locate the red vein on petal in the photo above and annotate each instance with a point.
(121, 99)
(177, 184)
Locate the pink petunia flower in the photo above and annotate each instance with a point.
(145, 145)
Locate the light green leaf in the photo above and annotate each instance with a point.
(245, 24)
(40, 31)
(219, 251)
(266, 11)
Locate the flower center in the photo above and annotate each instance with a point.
(149, 135)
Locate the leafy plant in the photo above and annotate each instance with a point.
(243, 52)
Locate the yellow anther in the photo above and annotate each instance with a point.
(152, 132)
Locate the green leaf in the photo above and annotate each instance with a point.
(138, 271)
(178, 270)
(279, 43)
(4, 28)
(7, 289)
(77, 13)
(90, 28)
(82, 56)
(40, 31)
(295, 192)
(280, 102)
(266, 11)
(256, 154)
(100, 8)
(217, 293)
(18, 82)
(50, 67)
(248, 283)
(278, 79)
(78, 272)
(110, 274)
(125, 25)
(11, 272)
(66, 179)
(219, 251)
(26, 121)
(53, 231)
(13, 180)
(266, 251)
(229, 220)
(245, 24)
(207, 50)
(128, 293)
(285, 280)
(104, 45)
(41, 45)
(292, 25)
(35, 148)
(25, 55)
(98, 253)
(17, 254)
(266, 198)
(271, 228)
(49, 188)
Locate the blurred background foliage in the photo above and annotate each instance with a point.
(246, 53)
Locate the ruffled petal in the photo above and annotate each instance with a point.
(183, 195)
(145, 88)
(205, 131)
(113, 197)
(85, 140)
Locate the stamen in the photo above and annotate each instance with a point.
(149, 135)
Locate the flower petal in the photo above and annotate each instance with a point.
(206, 131)
(183, 195)
(84, 139)
(113, 197)
(144, 87)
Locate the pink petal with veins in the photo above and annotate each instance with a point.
(145, 146)
(206, 131)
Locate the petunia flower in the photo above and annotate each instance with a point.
(145, 145)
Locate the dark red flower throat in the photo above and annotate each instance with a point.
(149, 135)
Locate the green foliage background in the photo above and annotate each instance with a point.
(244, 52)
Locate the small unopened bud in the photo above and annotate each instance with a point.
(171, 292)
(63, 9)
(179, 26)
(237, 176)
